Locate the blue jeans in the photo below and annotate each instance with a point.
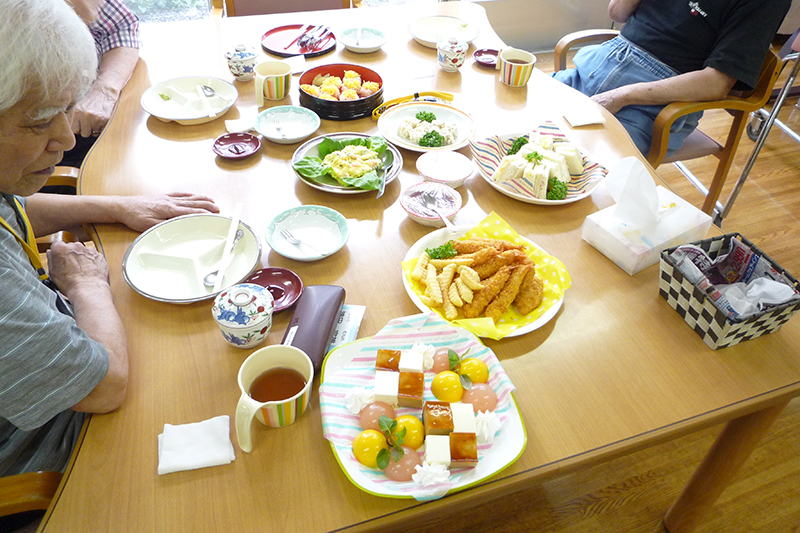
(619, 62)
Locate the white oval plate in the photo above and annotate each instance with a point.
(428, 31)
(167, 262)
(369, 41)
(296, 124)
(183, 104)
(309, 148)
(488, 152)
(441, 236)
(506, 448)
(321, 229)
(391, 119)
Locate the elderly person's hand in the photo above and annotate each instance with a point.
(93, 112)
(142, 212)
(73, 266)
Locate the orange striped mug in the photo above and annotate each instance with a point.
(273, 79)
(515, 66)
(275, 383)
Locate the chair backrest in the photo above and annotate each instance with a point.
(32, 491)
(235, 8)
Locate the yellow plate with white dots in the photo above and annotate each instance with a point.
(549, 268)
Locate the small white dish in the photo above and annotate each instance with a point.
(370, 40)
(178, 100)
(287, 124)
(322, 230)
(448, 201)
(448, 168)
(390, 121)
(168, 262)
(428, 31)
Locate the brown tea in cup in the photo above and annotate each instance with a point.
(277, 384)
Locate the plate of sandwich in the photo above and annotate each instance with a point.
(540, 167)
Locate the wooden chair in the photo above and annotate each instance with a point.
(62, 177)
(697, 144)
(32, 491)
(233, 8)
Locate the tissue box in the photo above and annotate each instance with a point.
(697, 309)
(634, 249)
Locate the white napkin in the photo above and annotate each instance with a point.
(198, 445)
(298, 63)
(241, 125)
(584, 116)
(633, 188)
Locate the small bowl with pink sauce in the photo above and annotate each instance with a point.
(448, 202)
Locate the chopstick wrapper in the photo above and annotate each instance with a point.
(197, 445)
(645, 220)
(340, 426)
(549, 268)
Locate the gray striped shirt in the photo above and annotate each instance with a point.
(47, 365)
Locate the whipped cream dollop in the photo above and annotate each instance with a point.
(427, 351)
(487, 422)
(430, 474)
(358, 398)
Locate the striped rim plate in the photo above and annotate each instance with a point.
(488, 152)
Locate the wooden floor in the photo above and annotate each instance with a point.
(632, 494)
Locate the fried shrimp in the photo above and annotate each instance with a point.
(491, 288)
(510, 290)
(531, 293)
(494, 264)
(469, 246)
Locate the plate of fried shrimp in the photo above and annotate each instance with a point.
(499, 285)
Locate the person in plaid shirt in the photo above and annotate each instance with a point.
(115, 29)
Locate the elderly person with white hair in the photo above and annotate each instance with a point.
(59, 358)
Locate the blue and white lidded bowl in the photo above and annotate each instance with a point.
(241, 62)
(244, 314)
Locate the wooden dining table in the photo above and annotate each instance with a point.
(616, 370)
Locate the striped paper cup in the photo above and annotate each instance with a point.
(515, 66)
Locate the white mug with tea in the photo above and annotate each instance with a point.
(275, 383)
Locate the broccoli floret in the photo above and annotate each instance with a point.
(426, 116)
(431, 139)
(518, 143)
(556, 190)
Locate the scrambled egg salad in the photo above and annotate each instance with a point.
(351, 162)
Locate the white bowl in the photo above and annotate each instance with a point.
(178, 100)
(447, 200)
(322, 230)
(296, 124)
(448, 168)
(168, 262)
(369, 41)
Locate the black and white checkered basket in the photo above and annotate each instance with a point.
(697, 309)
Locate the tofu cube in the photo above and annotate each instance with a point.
(411, 388)
(386, 386)
(410, 362)
(437, 417)
(388, 360)
(463, 450)
(437, 450)
(463, 418)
